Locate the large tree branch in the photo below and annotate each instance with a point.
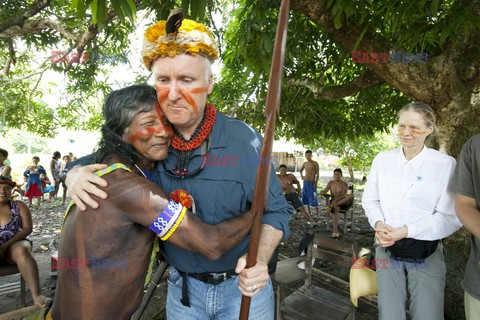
(37, 26)
(19, 19)
(365, 81)
(415, 80)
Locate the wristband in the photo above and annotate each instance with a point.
(166, 219)
(175, 226)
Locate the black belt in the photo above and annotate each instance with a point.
(212, 278)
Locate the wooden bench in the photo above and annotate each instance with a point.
(312, 302)
(15, 286)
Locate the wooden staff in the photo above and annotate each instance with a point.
(263, 172)
(151, 289)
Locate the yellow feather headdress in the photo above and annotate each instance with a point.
(167, 38)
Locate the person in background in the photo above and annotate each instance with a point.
(407, 203)
(292, 195)
(339, 198)
(20, 189)
(16, 220)
(5, 170)
(310, 181)
(66, 159)
(47, 187)
(466, 186)
(55, 169)
(34, 184)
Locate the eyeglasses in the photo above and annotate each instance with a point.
(413, 131)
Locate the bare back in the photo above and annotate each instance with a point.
(103, 258)
(116, 234)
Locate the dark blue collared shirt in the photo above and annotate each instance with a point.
(223, 189)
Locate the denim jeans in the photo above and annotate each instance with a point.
(221, 301)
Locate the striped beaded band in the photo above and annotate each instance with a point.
(175, 226)
(166, 219)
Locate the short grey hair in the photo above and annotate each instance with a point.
(425, 111)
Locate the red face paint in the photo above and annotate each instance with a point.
(186, 95)
(162, 93)
(167, 129)
(199, 90)
(142, 134)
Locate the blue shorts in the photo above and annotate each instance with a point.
(49, 188)
(309, 194)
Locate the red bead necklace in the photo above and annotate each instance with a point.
(185, 148)
(200, 134)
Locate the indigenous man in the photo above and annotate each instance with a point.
(288, 180)
(310, 181)
(104, 255)
(465, 184)
(179, 54)
(339, 197)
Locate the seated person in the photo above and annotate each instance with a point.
(5, 169)
(292, 194)
(134, 136)
(19, 189)
(339, 197)
(47, 187)
(16, 222)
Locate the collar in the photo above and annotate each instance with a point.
(417, 161)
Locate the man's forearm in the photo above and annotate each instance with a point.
(469, 216)
(269, 240)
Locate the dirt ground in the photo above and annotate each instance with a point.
(47, 220)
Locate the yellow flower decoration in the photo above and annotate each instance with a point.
(192, 38)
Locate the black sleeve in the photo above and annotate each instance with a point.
(83, 161)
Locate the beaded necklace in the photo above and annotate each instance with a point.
(186, 147)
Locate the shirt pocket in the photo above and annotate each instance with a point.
(425, 194)
(218, 200)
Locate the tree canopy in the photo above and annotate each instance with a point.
(325, 94)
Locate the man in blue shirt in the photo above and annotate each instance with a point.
(215, 159)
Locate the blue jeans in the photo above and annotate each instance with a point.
(221, 301)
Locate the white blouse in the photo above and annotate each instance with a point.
(413, 193)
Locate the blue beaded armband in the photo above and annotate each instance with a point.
(166, 219)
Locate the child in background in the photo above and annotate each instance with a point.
(34, 184)
(66, 159)
(47, 187)
(20, 189)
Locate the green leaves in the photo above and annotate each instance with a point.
(99, 8)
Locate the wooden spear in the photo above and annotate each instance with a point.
(263, 172)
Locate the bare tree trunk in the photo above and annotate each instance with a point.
(349, 165)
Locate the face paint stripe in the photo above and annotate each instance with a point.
(189, 99)
(145, 133)
(160, 114)
(199, 90)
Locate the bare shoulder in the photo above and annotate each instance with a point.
(127, 181)
(21, 205)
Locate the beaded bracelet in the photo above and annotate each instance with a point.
(166, 219)
(175, 226)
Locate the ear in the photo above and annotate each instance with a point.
(210, 84)
(429, 130)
